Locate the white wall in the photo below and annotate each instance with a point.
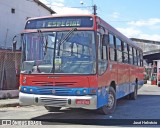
(14, 22)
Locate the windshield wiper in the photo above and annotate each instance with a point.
(59, 44)
(67, 36)
(64, 39)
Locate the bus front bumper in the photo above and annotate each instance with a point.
(86, 102)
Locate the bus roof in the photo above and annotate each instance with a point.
(60, 15)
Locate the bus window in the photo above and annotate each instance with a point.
(119, 50)
(141, 59)
(138, 58)
(102, 55)
(125, 53)
(130, 55)
(112, 49)
(135, 56)
(111, 41)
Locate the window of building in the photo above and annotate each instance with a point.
(12, 10)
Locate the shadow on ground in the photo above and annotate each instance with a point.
(145, 107)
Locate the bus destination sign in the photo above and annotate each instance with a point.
(65, 23)
(59, 22)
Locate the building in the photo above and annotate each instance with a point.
(14, 14)
(151, 49)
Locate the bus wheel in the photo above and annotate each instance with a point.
(110, 107)
(133, 95)
(52, 109)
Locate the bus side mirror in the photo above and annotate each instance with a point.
(105, 40)
(14, 44)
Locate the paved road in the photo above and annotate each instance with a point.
(147, 106)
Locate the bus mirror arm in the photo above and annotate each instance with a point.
(14, 44)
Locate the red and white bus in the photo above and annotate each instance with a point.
(77, 61)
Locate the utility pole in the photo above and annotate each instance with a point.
(94, 9)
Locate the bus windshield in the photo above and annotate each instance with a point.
(66, 52)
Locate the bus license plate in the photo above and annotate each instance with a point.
(86, 102)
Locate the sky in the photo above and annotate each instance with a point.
(134, 18)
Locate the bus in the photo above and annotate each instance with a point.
(77, 61)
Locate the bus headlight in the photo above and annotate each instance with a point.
(78, 92)
(31, 90)
(25, 89)
(85, 91)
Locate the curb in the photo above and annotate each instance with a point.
(9, 105)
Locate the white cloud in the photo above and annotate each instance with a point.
(149, 31)
(59, 7)
(149, 22)
(131, 32)
(67, 10)
(44, 1)
(154, 37)
(115, 15)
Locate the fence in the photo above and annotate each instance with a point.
(9, 69)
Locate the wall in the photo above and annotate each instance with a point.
(13, 23)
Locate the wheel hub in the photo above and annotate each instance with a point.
(110, 101)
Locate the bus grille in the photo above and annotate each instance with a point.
(64, 83)
(54, 101)
(54, 91)
(45, 83)
(42, 83)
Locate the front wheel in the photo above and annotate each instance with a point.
(110, 107)
(52, 109)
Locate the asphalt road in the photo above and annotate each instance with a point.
(146, 107)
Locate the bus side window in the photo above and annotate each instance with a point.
(125, 52)
(102, 55)
(135, 56)
(130, 54)
(141, 59)
(119, 50)
(112, 49)
(138, 58)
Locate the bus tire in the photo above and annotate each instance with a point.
(110, 107)
(52, 109)
(133, 95)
